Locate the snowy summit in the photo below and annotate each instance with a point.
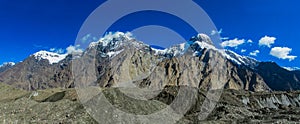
(50, 56)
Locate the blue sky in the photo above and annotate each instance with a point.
(29, 26)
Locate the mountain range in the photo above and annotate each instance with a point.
(119, 58)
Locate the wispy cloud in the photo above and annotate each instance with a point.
(233, 43)
(249, 41)
(224, 38)
(57, 50)
(69, 50)
(267, 41)
(40, 46)
(88, 38)
(214, 32)
(52, 49)
(254, 53)
(243, 50)
(282, 53)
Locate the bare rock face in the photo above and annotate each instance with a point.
(274, 76)
(139, 64)
(121, 61)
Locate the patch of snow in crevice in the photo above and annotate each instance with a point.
(33, 94)
(113, 54)
(245, 100)
(285, 100)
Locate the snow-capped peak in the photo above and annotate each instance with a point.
(245, 60)
(111, 42)
(110, 37)
(50, 56)
(203, 41)
(202, 38)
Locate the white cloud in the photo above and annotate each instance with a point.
(214, 32)
(52, 49)
(243, 50)
(224, 38)
(69, 50)
(254, 53)
(282, 53)
(88, 38)
(60, 51)
(232, 43)
(267, 41)
(74, 49)
(57, 50)
(249, 41)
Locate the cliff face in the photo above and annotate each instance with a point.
(278, 78)
(196, 64)
(119, 60)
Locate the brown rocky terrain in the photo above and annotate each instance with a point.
(34, 74)
(62, 106)
(197, 66)
(37, 91)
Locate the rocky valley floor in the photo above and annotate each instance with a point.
(63, 106)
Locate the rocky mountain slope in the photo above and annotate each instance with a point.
(118, 58)
(38, 73)
(42, 106)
